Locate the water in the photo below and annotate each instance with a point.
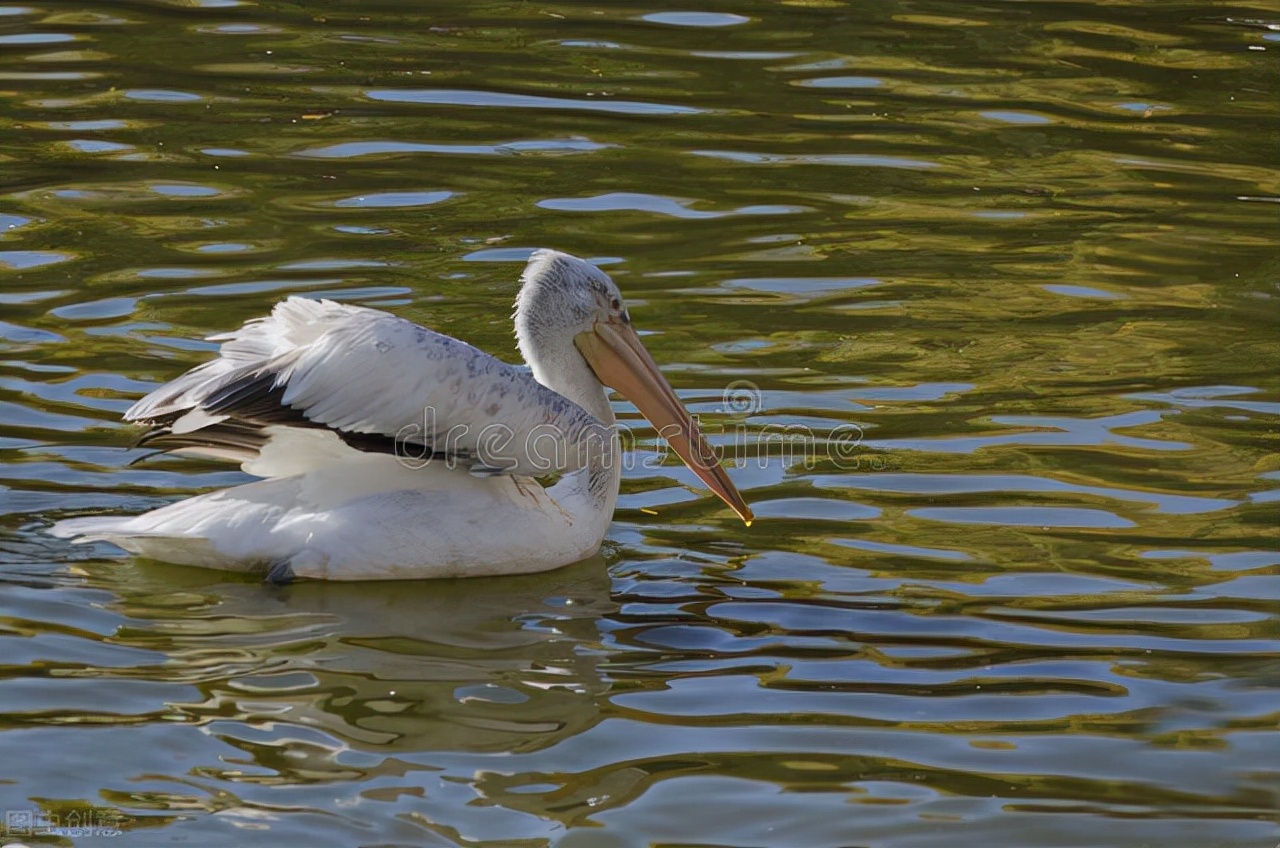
(1008, 273)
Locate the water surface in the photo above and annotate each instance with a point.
(981, 299)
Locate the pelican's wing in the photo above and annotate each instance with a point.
(377, 382)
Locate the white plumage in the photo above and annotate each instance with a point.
(388, 450)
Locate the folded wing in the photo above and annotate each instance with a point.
(315, 370)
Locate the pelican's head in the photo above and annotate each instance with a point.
(563, 297)
(562, 294)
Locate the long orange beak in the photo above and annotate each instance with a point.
(616, 354)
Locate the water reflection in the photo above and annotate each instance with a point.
(313, 684)
(1027, 252)
(463, 665)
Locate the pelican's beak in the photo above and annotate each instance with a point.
(616, 354)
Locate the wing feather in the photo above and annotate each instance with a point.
(381, 382)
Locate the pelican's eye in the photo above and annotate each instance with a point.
(616, 307)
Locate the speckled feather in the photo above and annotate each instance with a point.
(361, 371)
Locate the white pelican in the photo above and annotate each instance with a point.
(390, 451)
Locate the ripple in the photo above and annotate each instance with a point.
(1045, 431)
(1020, 118)
(30, 296)
(591, 45)
(823, 509)
(90, 125)
(1143, 108)
(672, 206)
(1206, 397)
(852, 160)
(333, 265)
(1270, 495)
(934, 485)
(394, 199)
(96, 310)
(251, 287)
(449, 97)
(801, 286)
(116, 698)
(1010, 215)
(163, 95)
(22, 260)
(185, 190)
(840, 82)
(352, 229)
(1024, 516)
(381, 296)
(744, 55)
(176, 273)
(506, 254)
(902, 550)
(225, 247)
(357, 149)
(240, 29)
(37, 38)
(695, 19)
(27, 335)
(918, 392)
(256, 69)
(49, 76)
(22, 416)
(81, 145)
(1081, 291)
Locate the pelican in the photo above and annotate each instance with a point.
(389, 451)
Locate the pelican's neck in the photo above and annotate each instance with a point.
(557, 299)
(557, 364)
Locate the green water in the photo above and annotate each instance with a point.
(1026, 252)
